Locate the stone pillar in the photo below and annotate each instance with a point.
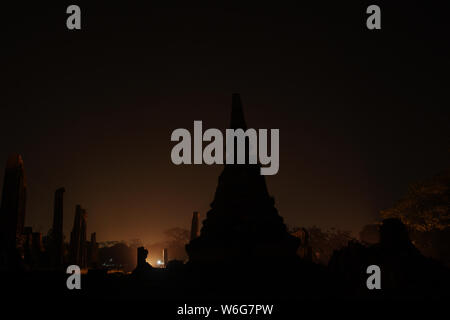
(28, 245)
(12, 209)
(93, 251)
(195, 230)
(78, 250)
(142, 265)
(142, 254)
(36, 251)
(83, 243)
(75, 237)
(165, 257)
(57, 230)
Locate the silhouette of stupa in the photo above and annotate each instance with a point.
(243, 224)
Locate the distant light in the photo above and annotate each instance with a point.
(159, 262)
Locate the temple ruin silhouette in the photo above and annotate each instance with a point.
(243, 249)
(243, 224)
(21, 249)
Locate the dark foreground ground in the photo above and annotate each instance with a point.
(293, 283)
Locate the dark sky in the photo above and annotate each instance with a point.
(361, 113)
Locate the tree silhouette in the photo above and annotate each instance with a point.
(426, 205)
(177, 235)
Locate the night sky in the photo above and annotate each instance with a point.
(362, 114)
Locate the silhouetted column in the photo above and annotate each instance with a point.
(78, 238)
(165, 257)
(28, 245)
(57, 230)
(142, 265)
(195, 230)
(36, 248)
(75, 237)
(12, 209)
(142, 254)
(93, 251)
(83, 243)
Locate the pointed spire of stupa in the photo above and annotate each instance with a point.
(237, 113)
(243, 223)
